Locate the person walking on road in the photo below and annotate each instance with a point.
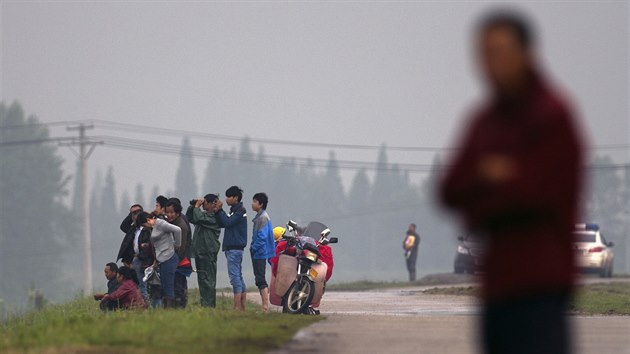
(205, 246)
(515, 181)
(410, 246)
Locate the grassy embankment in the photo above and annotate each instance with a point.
(429, 280)
(594, 299)
(80, 327)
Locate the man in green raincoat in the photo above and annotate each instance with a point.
(205, 246)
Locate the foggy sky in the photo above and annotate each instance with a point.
(399, 73)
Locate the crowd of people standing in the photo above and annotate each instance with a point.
(157, 248)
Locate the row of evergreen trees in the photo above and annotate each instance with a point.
(370, 218)
(35, 225)
(40, 236)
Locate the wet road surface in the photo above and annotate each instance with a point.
(410, 321)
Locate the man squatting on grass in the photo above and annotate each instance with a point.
(111, 273)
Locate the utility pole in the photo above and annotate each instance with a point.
(86, 147)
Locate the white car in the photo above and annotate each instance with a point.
(592, 252)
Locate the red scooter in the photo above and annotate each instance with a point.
(301, 268)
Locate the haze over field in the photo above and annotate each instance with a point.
(353, 73)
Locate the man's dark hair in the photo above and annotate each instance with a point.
(177, 207)
(128, 273)
(412, 226)
(210, 198)
(511, 19)
(162, 200)
(175, 199)
(136, 206)
(142, 218)
(262, 199)
(112, 267)
(234, 191)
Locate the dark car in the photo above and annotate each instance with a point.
(468, 255)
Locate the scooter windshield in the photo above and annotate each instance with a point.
(314, 230)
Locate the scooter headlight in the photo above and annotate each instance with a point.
(463, 250)
(311, 256)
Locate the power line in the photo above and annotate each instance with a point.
(158, 147)
(143, 129)
(36, 141)
(196, 152)
(128, 127)
(39, 124)
(129, 144)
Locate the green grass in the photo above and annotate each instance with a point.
(594, 299)
(364, 285)
(432, 279)
(80, 327)
(454, 290)
(603, 299)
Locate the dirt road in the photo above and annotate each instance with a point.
(409, 321)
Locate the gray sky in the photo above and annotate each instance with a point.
(350, 72)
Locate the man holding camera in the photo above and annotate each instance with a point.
(205, 246)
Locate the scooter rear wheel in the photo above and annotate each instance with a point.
(299, 296)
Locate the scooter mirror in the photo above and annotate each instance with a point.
(325, 233)
(333, 240)
(292, 225)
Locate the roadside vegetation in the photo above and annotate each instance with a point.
(594, 299)
(79, 326)
(432, 279)
(603, 299)
(454, 290)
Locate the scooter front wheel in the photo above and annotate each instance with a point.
(299, 296)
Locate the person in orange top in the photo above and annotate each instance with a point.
(410, 246)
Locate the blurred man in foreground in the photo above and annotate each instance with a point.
(516, 182)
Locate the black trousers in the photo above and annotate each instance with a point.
(530, 325)
(181, 290)
(109, 305)
(259, 273)
(411, 265)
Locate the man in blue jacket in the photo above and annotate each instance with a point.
(263, 245)
(234, 241)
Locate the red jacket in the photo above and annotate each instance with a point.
(529, 218)
(128, 295)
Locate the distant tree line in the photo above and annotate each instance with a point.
(36, 227)
(41, 243)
